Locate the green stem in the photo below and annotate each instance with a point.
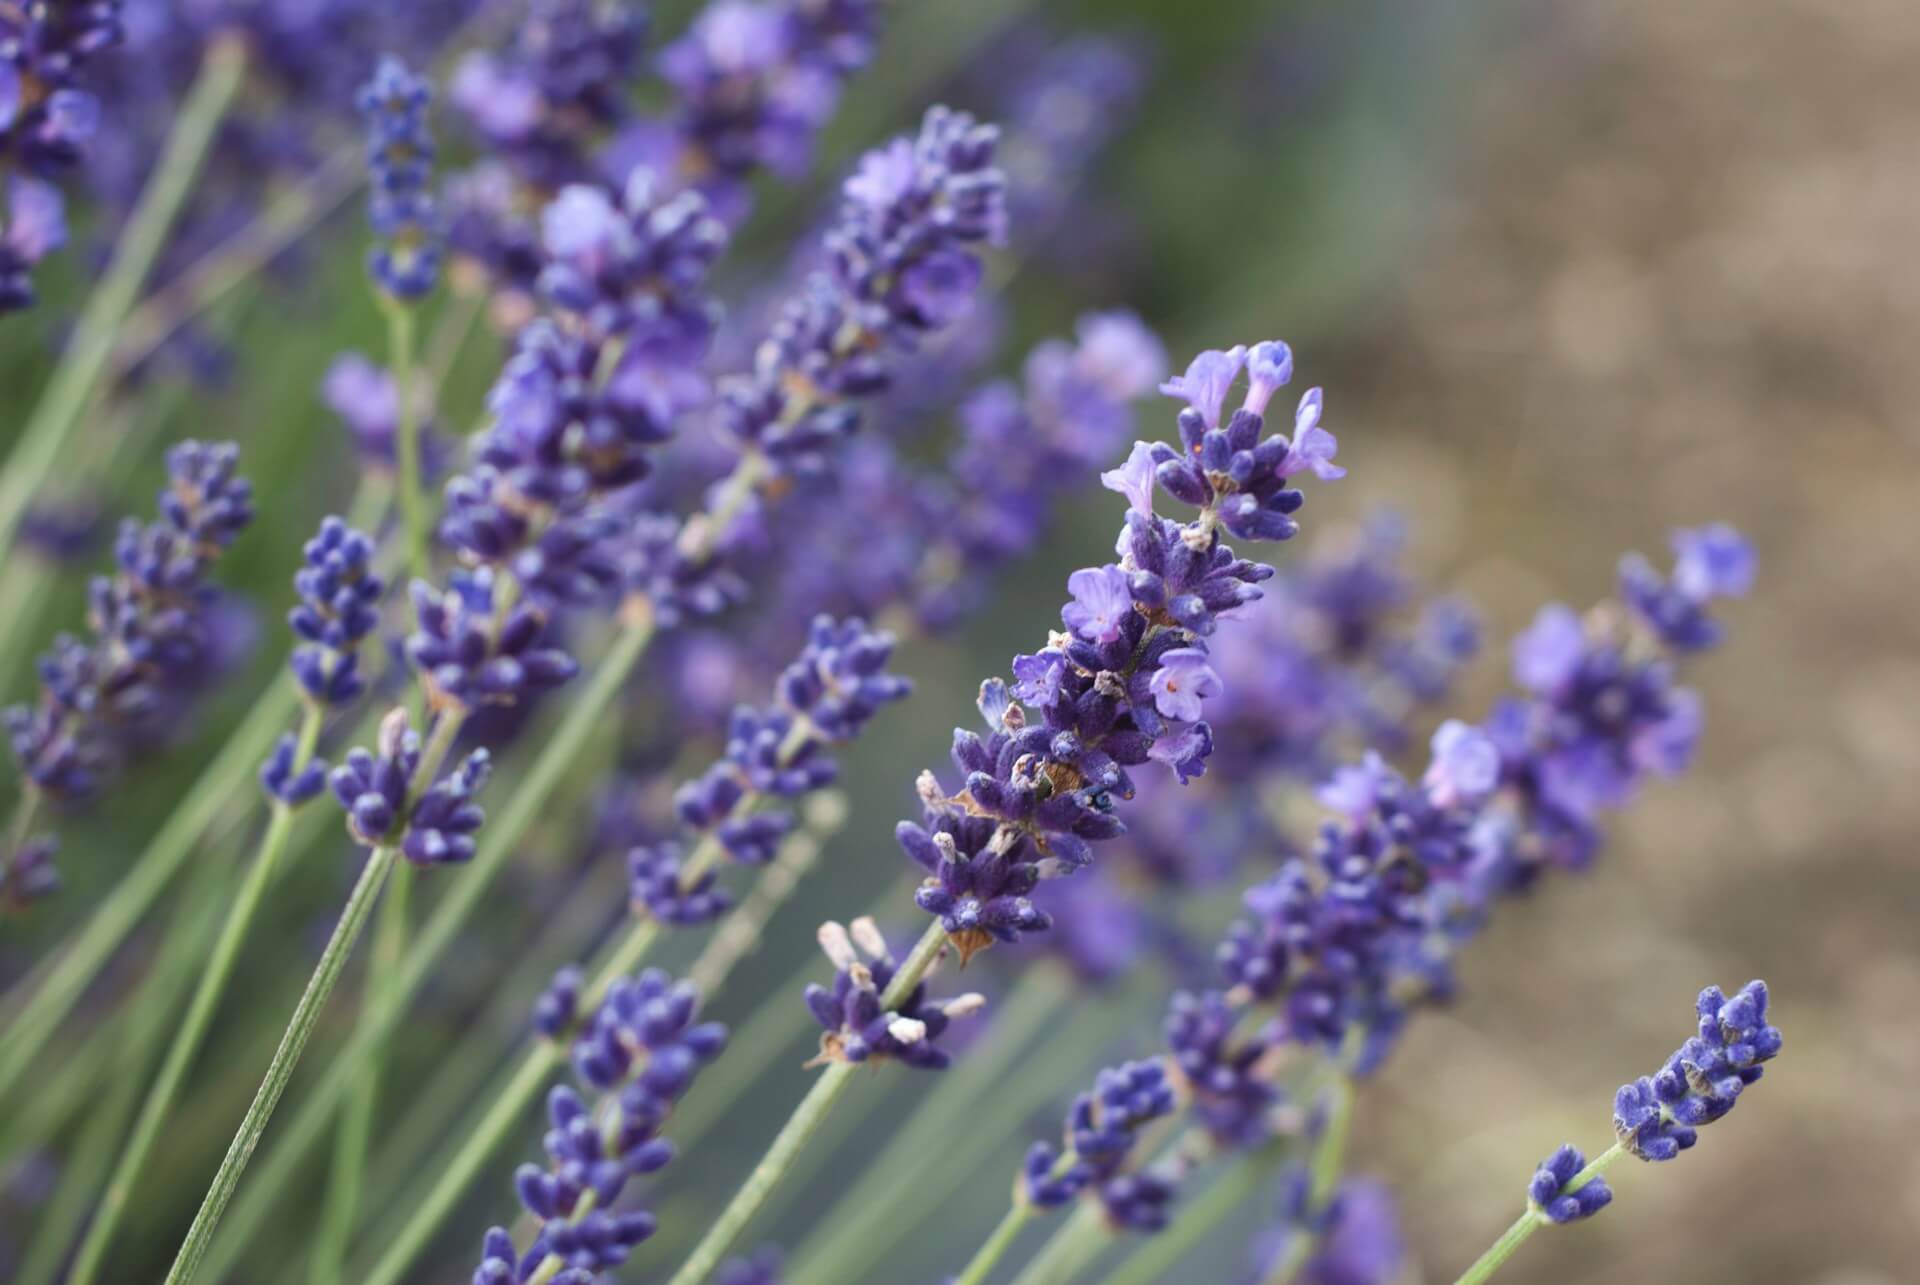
(305, 1015)
(355, 1131)
(290, 216)
(132, 1041)
(498, 841)
(413, 499)
(1011, 1224)
(799, 1127)
(1068, 1249)
(1532, 1221)
(193, 1028)
(40, 445)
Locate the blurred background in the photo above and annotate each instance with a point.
(1571, 276)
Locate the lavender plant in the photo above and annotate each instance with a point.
(1133, 762)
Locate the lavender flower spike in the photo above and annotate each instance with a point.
(1127, 682)
(400, 203)
(1101, 1130)
(1551, 1192)
(1657, 1117)
(637, 1054)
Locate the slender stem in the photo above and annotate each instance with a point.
(21, 824)
(1532, 1221)
(1068, 1249)
(139, 244)
(290, 216)
(133, 1039)
(305, 1015)
(1330, 1150)
(193, 1028)
(498, 841)
(799, 1127)
(413, 499)
(355, 1132)
(1011, 1224)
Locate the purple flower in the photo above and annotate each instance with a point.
(1313, 446)
(1549, 1192)
(635, 1055)
(1269, 369)
(856, 1028)
(1037, 678)
(1657, 1117)
(1101, 1130)
(364, 396)
(468, 654)
(400, 205)
(339, 607)
(1101, 603)
(156, 626)
(1183, 680)
(1204, 386)
(1712, 562)
(1549, 652)
(1134, 479)
(1465, 766)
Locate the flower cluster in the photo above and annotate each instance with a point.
(1552, 1191)
(755, 83)
(857, 1028)
(338, 608)
(1101, 1130)
(635, 1055)
(1125, 684)
(591, 389)
(430, 824)
(46, 122)
(1657, 1117)
(543, 103)
(150, 627)
(1344, 944)
(400, 157)
(471, 648)
(899, 266)
(825, 697)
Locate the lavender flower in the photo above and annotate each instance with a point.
(1711, 562)
(857, 1028)
(46, 124)
(400, 156)
(1102, 1129)
(472, 650)
(283, 783)
(1036, 797)
(636, 1055)
(899, 267)
(1657, 1117)
(590, 390)
(151, 632)
(339, 607)
(756, 83)
(1551, 1192)
(434, 826)
(558, 88)
(28, 873)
